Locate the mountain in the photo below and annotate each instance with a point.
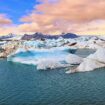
(7, 37)
(42, 36)
(69, 35)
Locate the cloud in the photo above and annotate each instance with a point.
(7, 30)
(6, 25)
(75, 11)
(4, 20)
(57, 16)
(65, 14)
(28, 27)
(92, 28)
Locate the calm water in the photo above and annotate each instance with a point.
(24, 85)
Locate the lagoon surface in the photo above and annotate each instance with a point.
(24, 85)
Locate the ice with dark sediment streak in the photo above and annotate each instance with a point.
(46, 58)
(92, 62)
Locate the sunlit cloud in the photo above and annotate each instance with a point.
(67, 15)
(57, 16)
(4, 20)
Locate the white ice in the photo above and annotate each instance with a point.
(73, 59)
(45, 64)
(92, 62)
(52, 58)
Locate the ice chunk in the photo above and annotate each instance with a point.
(87, 65)
(73, 59)
(99, 55)
(50, 64)
(46, 58)
(92, 62)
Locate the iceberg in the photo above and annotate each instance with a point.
(51, 64)
(92, 62)
(73, 59)
(90, 65)
(87, 65)
(99, 55)
(67, 61)
(36, 44)
(45, 59)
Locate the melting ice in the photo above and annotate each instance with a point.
(92, 62)
(46, 58)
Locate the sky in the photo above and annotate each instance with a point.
(83, 17)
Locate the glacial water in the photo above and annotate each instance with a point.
(24, 85)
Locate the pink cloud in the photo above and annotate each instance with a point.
(4, 20)
(78, 16)
(64, 12)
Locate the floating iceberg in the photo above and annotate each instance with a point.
(51, 64)
(73, 59)
(89, 65)
(92, 62)
(66, 61)
(46, 58)
(99, 55)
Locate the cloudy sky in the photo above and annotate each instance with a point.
(84, 17)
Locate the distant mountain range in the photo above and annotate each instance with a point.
(9, 36)
(42, 36)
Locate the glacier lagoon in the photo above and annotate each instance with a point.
(24, 85)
